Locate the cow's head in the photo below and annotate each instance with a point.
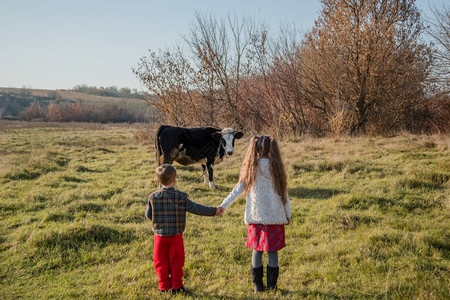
(228, 137)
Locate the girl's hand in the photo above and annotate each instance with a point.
(289, 221)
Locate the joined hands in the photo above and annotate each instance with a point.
(220, 210)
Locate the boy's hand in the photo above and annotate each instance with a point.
(289, 221)
(219, 210)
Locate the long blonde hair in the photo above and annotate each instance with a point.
(264, 146)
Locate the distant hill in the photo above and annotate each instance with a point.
(14, 101)
(65, 94)
(111, 91)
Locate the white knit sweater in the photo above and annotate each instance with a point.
(263, 205)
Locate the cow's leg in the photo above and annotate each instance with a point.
(205, 174)
(210, 166)
(170, 154)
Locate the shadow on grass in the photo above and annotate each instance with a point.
(194, 294)
(106, 150)
(279, 294)
(407, 202)
(364, 202)
(9, 208)
(313, 295)
(318, 193)
(79, 236)
(83, 169)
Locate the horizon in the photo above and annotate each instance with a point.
(58, 46)
(70, 89)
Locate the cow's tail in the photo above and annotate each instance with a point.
(158, 149)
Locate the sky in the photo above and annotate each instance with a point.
(58, 44)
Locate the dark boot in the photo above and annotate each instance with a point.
(178, 291)
(272, 277)
(257, 278)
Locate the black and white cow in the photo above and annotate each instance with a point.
(186, 146)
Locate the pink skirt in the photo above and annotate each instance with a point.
(265, 237)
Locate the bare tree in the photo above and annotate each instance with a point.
(439, 30)
(362, 62)
(209, 76)
(361, 68)
(167, 77)
(287, 83)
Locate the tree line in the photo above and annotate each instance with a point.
(39, 108)
(111, 91)
(78, 112)
(362, 68)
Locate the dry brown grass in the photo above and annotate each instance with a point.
(370, 217)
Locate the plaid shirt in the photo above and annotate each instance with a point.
(167, 209)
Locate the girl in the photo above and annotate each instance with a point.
(263, 180)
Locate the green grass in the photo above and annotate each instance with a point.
(370, 217)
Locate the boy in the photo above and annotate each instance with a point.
(167, 209)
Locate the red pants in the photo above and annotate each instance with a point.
(168, 256)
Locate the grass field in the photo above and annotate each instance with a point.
(370, 217)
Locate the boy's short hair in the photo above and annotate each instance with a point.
(165, 173)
